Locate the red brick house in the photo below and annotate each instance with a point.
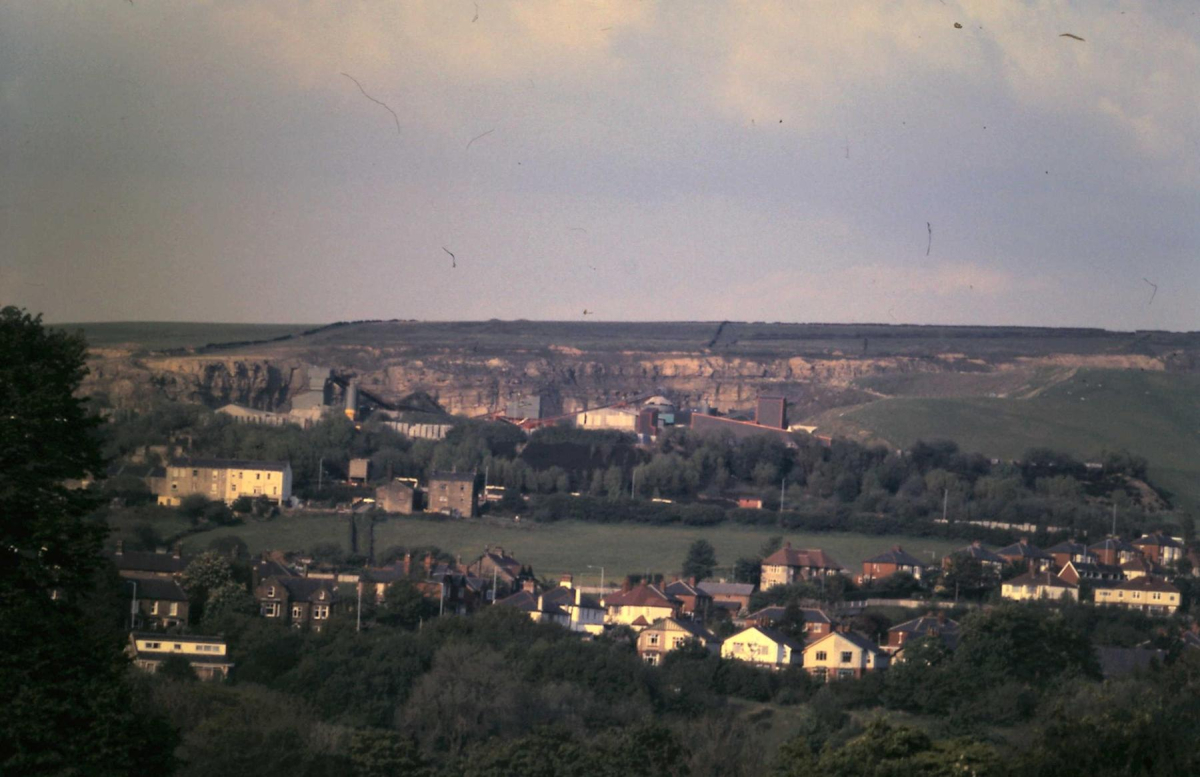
(1159, 548)
(693, 601)
(1031, 555)
(889, 563)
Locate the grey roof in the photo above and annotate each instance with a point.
(780, 637)
(858, 639)
(1114, 543)
(468, 477)
(1041, 578)
(160, 588)
(566, 596)
(160, 636)
(304, 589)
(1023, 550)
(1157, 538)
(683, 588)
(1071, 547)
(776, 612)
(145, 561)
(979, 552)
(897, 556)
(691, 627)
(726, 589)
(275, 466)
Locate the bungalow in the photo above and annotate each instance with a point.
(1033, 586)
(639, 607)
(1114, 551)
(298, 601)
(1154, 597)
(1160, 548)
(208, 656)
(762, 647)
(161, 604)
(1032, 556)
(668, 634)
(932, 625)
(734, 597)
(889, 563)
(786, 566)
(693, 600)
(815, 622)
(842, 655)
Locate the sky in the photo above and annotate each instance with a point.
(914, 161)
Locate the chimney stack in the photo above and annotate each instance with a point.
(428, 564)
(567, 581)
(407, 564)
(531, 587)
(179, 550)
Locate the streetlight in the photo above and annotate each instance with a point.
(133, 606)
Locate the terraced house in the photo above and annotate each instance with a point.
(226, 480)
(1147, 594)
(208, 656)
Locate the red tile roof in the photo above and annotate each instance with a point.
(807, 557)
(641, 596)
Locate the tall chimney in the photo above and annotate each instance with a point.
(407, 564)
(428, 563)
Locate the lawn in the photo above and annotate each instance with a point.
(1154, 414)
(567, 546)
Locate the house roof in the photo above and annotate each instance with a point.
(807, 557)
(776, 612)
(1142, 564)
(1070, 547)
(927, 624)
(683, 588)
(565, 597)
(386, 574)
(159, 636)
(676, 624)
(160, 588)
(857, 639)
(1144, 583)
(726, 589)
(978, 551)
(273, 466)
(640, 621)
(269, 567)
(304, 589)
(1022, 549)
(641, 596)
(1157, 538)
(1114, 544)
(897, 556)
(1048, 579)
(1093, 570)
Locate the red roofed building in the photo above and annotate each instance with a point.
(640, 606)
(1159, 548)
(889, 563)
(787, 565)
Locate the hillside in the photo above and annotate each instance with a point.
(1154, 414)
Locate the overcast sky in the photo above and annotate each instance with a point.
(776, 161)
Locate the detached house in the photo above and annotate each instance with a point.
(1035, 586)
(786, 566)
(693, 600)
(1159, 548)
(669, 634)
(733, 597)
(889, 563)
(1114, 551)
(989, 561)
(298, 601)
(925, 626)
(843, 655)
(1035, 559)
(816, 622)
(1154, 597)
(499, 566)
(762, 647)
(565, 605)
(453, 493)
(161, 604)
(640, 606)
(1065, 552)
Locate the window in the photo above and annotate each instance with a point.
(271, 592)
(297, 612)
(845, 674)
(847, 657)
(822, 655)
(174, 608)
(651, 659)
(271, 609)
(1157, 596)
(153, 645)
(178, 646)
(154, 608)
(653, 640)
(320, 612)
(258, 476)
(195, 473)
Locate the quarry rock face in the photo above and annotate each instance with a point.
(474, 368)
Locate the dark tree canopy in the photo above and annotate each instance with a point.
(701, 560)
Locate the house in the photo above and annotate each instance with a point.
(693, 600)
(762, 647)
(226, 480)
(640, 606)
(1067, 551)
(842, 655)
(584, 613)
(889, 563)
(399, 496)
(209, 656)
(1146, 594)
(669, 634)
(144, 564)
(1078, 571)
(786, 566)
(1160, 548)
(267, 565)
(498, 566)
(932, 625)
(161, 603)
(1034, 586)
(453, 493)
(1140, 567)
(1031, 555)
(734, 597)
(1114, 551)
(298, 601)
(750, 503)
(988, 561)
(816, 623)
(536, 607)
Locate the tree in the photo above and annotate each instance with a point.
(68, 708)
(701, 560)
(176, 667)
(405, 606)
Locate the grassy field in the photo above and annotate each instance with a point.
(1154, 414)
(159, 335)
(565, 547)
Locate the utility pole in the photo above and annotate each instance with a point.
(358, 612)
(633, 485)
(597, 566)
(782, 491)
(495, 571)
(945, 502)
(1114, 531)
(133, 607)
(320, 471)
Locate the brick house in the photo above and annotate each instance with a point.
(732, 597)
(932, 625)
(889, 563)
(788, 565)
(693, 600)
(1029, 554)
(1159, 548)
(1114, 551)
(453, 493)
(161, 603)
(816, 623)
